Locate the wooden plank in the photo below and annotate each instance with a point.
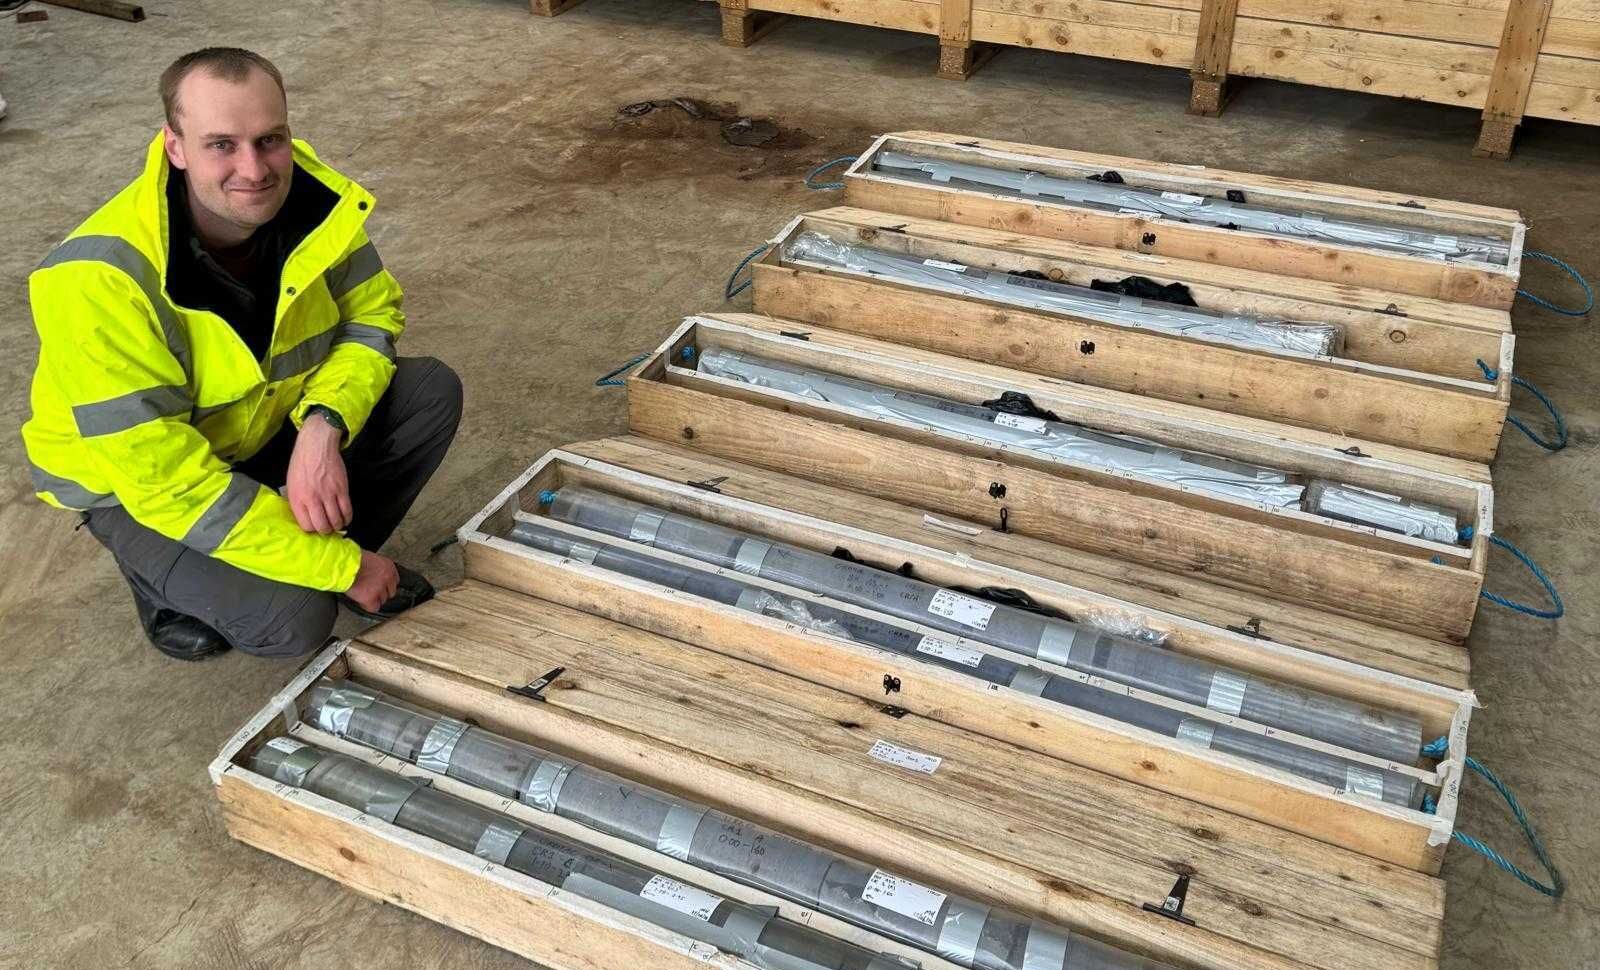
(1213, 45)
(1006, 558)
(1300, 391)
(916, 16)
(1371, 336)
(1076, 846)
(558, 933)
(1513, 75)
(1411, 594)
(551, 8)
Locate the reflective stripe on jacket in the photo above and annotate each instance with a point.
(140, 402)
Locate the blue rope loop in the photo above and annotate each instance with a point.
(817, 186)
(1560, 442)
(1557, 609)
(1558, 886)
(610, 378)
(730, 291)
(1588, 293)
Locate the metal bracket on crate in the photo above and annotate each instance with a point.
(710, 484)
(1005, 520)
(795, 334)
(1354, 451)
(891, 684)
(1172, 906)
(534, 691)
(1251, 628)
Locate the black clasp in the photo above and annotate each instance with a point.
(891, 684)
(1251, 628)
(710, 484)
(534, 691)
(1172, 906)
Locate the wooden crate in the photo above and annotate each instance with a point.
(1509, 58)
(1384, 831)
(1040, 836)
(1404, 380)
(1409, 584)
(1458, 281)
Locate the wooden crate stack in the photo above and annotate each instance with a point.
(1509, 58)
(1014, 800)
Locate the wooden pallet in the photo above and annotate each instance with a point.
(1426, 587)
(1459, 281)
(1035, 834)
(1413, 382)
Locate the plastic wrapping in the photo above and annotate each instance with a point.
(1321, 339)
(751, 932)
(1392, 512)
(1385, 734)
(1144, 459)
(1223, 477)
(959, 929)
(1197, 208)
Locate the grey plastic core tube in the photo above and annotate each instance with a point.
(1391, 735)
(1328, 769)
(961, 930)
(753, 933)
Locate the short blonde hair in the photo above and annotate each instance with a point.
(228, 63)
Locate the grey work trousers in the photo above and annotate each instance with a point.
(389, 462)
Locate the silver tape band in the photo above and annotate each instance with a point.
(960, 930)
(752, 552)
(746, 923)
(1363, 781)
(676, 837)
(294, 768)
(543, 789)
(644, 527)
(753, 599)
(334, 714)
(1227, 692)
(1046, 949)
(1055, 643)
(1029, 680)
(1199, 732)
(390, 796)
(496, 841)
(583, 552)
(440, 745)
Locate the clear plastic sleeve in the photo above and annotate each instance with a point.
(1207, 210)
(1320, 339)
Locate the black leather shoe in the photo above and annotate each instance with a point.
(176, 635)
(412, 590)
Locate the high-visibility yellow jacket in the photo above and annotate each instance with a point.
(140, 402)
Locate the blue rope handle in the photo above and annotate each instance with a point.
(1588, 294)
(824, 167)
(1558, 885)
(1490, 374)
(610, 378)
(730, 291)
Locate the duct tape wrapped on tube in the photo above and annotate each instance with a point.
(1318, 339)
(729, 925)
(1206, 210)
(927, 917)
(1082, 647)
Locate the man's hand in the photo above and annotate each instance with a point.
(318, 488)
(376, 581)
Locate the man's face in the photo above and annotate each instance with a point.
(234, 146)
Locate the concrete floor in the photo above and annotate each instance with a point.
(541, 240)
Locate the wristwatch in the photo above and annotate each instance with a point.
(333, 417)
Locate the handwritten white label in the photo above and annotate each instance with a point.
(685, 899)
(909, 899)
(941, 264)
(963, 609)
(945, 650)
(1020, 421)
(286, 745)
(1181, 197)
(905, 758)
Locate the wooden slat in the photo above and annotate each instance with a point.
(1513, 75)
(1213, 45)
(1296, 624)
(1298, 391)
(1038, 835)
